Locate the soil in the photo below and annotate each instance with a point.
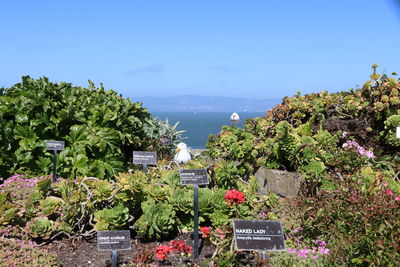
(84, 253)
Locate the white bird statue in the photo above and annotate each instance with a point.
(235, 118)
(182, 154)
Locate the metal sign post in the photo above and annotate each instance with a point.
(194, 177)
(196, 222)
(55, 166)
(55, 146)
(114, 258)
(144, 168)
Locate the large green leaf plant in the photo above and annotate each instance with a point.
(100, 128)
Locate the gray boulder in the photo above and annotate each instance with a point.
(283, 183)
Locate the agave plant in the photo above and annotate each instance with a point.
(165, 137)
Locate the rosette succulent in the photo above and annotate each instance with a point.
(49, 205)
(40, 227)
(158, 220)
(111, 219)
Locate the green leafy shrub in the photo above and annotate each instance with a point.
(305, 133)
(100, 128)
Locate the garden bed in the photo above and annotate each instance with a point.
(84, 253)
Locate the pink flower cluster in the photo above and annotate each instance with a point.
(314, 252)
(20, 180)
(390, 193)
(360, 149)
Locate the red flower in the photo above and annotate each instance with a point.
(180, 246)
(206, 231)
(234, 197)
(162, 251)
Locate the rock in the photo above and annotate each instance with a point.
(197, 151)
(283, 183)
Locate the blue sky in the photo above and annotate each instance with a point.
(254, 49)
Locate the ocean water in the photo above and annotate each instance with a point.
(198, 125)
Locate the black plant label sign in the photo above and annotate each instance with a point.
(55, 145)
(258, 235)
(193, 177)
(145, 158)
(113, 240)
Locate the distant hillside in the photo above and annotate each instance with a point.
(206, 103)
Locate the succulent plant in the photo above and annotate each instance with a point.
(181, 199)
(8, 214)
(50, 205)
(158, 220)
(65, 187)
(40, 227)
(111, 219)
(102, 189)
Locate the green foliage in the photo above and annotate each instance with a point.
(279, 259)
(182, 199)
(9, 214)
(102, 190)
(158, 220)
(111, 219)
(50, 205)
(100, 128)
(8, 211)
(40, 227)
(163, 137)
(388, 135)
(226, 174)
(286, 143)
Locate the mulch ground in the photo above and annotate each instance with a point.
(84, 253)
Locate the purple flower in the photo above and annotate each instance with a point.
(370, 154)
(296, 230)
